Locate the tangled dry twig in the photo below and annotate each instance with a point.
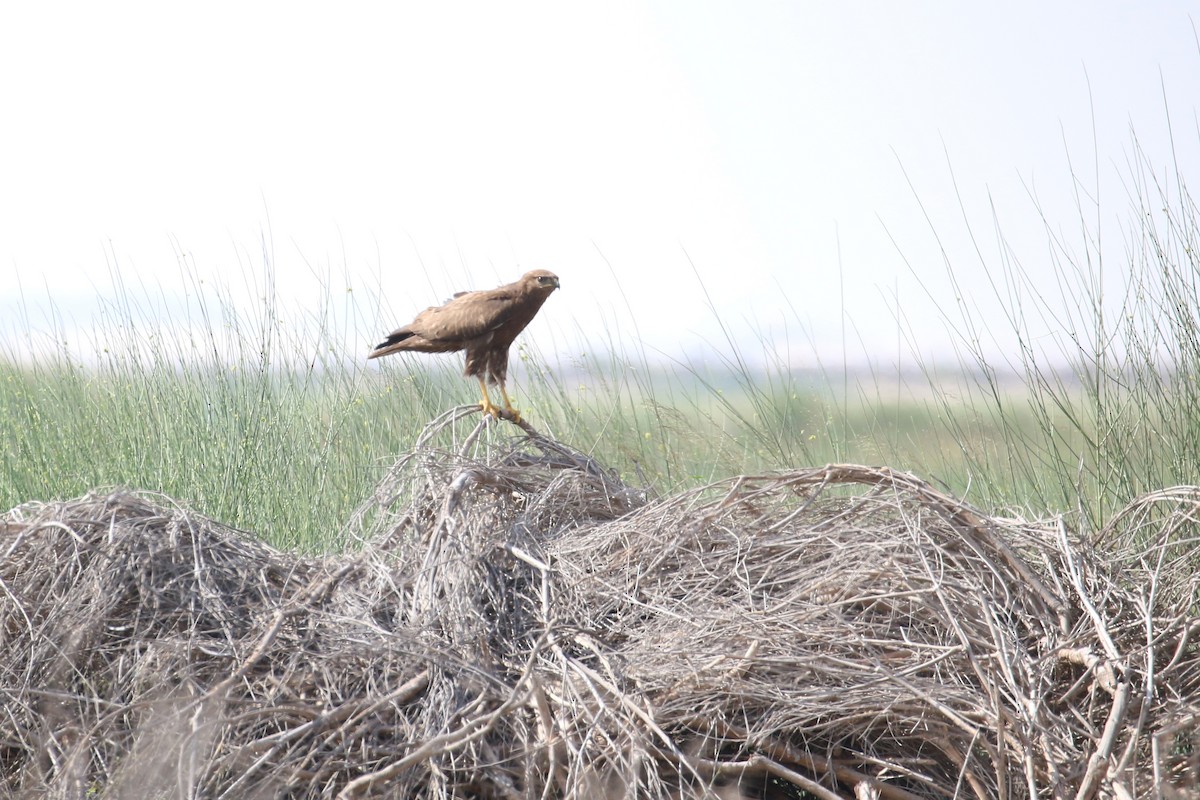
(518, 623)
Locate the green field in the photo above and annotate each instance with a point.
(289, 453)
(275, 428)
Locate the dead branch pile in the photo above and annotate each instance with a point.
(519, 623)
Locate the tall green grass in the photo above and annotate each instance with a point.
(1096, 402)
(237, 413)
(271, 425)
(1109, 405)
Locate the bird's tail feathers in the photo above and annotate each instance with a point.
(383, 348)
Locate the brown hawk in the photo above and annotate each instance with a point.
(482, 323)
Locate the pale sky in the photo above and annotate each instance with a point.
(646, 152)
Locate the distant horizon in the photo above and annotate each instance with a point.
(296, 350)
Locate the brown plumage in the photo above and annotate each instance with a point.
(482, 323)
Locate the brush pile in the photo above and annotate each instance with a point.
(514, 621)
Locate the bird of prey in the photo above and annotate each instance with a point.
(482, 323)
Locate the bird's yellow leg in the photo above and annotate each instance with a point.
(488, 406)
(508, 404)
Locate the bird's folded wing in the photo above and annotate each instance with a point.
(467, 316)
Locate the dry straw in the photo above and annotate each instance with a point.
(516, 622)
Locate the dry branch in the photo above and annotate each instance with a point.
(518, 622)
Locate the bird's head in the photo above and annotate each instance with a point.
(541, 280)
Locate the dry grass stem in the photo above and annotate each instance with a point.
(516, 622)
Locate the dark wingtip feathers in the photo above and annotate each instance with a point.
(382, 349)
